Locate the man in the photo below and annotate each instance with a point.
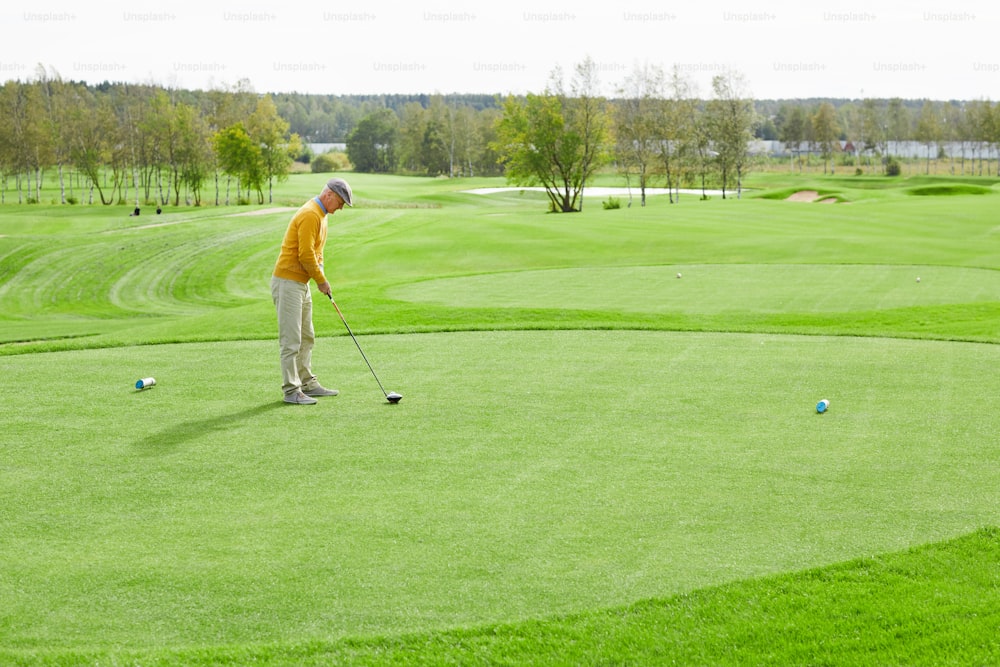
(301, 259)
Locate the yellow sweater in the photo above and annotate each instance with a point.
(301, 256)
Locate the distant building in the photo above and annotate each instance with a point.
(319, 149)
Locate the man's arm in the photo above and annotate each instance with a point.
(310, 256)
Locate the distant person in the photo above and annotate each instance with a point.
(159, 210)
(134, 213)
(301, 259)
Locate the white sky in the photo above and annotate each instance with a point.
(852, 48)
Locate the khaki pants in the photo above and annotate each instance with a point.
(296, 336)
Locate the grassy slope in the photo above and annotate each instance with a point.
(496, 241)
(373, 249)
(933, 605)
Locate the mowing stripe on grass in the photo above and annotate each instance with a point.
(526, 474)
(714, 288)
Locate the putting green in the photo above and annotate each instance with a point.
(523, 474)
(714, 288)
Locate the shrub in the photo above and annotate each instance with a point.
(892, 167)
(330, 162)
(612, 203)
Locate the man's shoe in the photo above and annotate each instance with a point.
(319, 390)
(299, 398)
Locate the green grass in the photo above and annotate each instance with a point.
(932, 605)
(594, 461)
(949, 190)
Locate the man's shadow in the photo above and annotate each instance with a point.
(176, 435)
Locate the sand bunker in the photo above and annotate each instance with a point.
(804, 195)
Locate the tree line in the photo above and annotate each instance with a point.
(124, 143)
(874, 127)
(658, 129)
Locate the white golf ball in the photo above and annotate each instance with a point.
(918, 279)
(678, 275)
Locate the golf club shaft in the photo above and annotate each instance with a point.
(358, 344)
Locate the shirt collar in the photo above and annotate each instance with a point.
(317, 200)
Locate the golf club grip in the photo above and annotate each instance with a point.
(344, 320)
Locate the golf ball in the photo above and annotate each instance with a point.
(918, 279)
(678, 275)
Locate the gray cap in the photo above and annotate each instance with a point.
(342, 189)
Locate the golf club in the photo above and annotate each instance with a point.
(392, 397)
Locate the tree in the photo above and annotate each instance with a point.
(438, 144)
(193, 151)
(225, 108)
(59, 99)
(412, 127)
(555, 139)
(897, 123)
(981, 130)
(270, 132)
(793, 130)
(95, 134)
(731, 119)
(873, 138)
(443, 138)
(135, 155)
(9, 136)
(467, 142)
(372, 145)
(29, 140)
(637, 124)
(826, 130)
(993, 129)
(848, 119)
(239, 156)
(528, 146)
(929, 129)
(587, 114)
(486, 159)
(951, 125)
(161, 125)
(679, 137)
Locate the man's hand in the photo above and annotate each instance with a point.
(325, 289)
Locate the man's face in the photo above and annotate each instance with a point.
(331, 201)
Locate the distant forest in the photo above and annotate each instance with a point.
(331, 118)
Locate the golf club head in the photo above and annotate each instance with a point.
(393, 397)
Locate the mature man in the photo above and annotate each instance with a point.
(301, 260)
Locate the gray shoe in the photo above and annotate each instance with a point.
(319, 390)
(299, 398)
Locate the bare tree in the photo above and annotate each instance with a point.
(587, 113)
(637, 124)
(679, 147)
